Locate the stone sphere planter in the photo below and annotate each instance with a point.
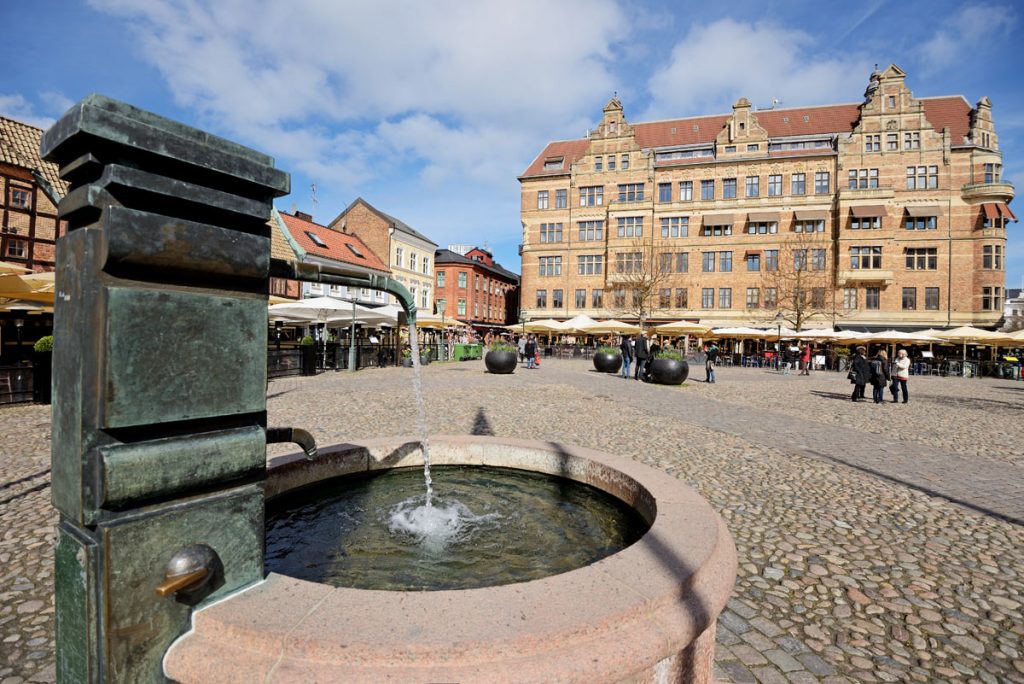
(644, 614)
(669, 371)
(503, 362)
(607, 363)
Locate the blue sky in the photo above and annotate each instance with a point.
(429, 110)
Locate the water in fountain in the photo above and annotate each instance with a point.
(421, 411)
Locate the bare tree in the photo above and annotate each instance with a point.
(636, 274)
(800, 284)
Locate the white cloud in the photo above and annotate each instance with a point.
(965, 34)
(18, 108)
(713, 65)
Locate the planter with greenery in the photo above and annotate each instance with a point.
(669, 367)
(42, 360)
(308, 349)
(502, 358)
(607, 360)
(407, 357)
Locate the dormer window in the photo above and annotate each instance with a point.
(553, 163)
(611, 125)
(316, 239)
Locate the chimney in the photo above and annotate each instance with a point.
(304, 216)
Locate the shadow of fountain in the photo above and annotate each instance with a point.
(482, 426)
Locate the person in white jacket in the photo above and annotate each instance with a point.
(900, 375)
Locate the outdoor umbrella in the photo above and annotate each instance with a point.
(682, 328)
(7, 267)
(743, 333)
(969, 335)
(35, 287)
(612, 326)
(579, 324)
(545, 325)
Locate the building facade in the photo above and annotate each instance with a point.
(408, 253)
(472, 287)
(891, 213)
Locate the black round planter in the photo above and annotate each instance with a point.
(607, 363)
(669, 371)
(501, 361)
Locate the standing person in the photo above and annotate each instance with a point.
(805, 358)
(522, 348)
(879, 375)
(860, 373)
(640, 352)
(900, 375)
(488, 339)
(710, 359)
(627, 356)
(652, 353)
(531, 352)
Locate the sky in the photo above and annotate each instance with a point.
(430, 110)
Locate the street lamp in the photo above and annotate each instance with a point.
(19, 324)
(778, 343)
(441, 304)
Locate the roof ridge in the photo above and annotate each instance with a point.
(21, 123)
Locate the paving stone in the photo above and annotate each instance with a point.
(769, 675)
(815, 664)
(783, 660)
(737, 671)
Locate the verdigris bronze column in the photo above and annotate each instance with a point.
(159, 409)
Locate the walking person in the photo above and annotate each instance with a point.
(522, 348)
(879, 376)
(805, 359)
(640, 353)
(710, 359)
(531, 352)
(900, 375)
(860, 373)
(627, 356)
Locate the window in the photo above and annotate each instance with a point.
(729, 188)
(754, 262)
(17, 249)
(799, 183)
(675, 227)
(818, 297)
(424, 296)
(771, 297)
(549, 266)
(707, 189)
(440, 278)
(892, 141)
(556, 299)
(542, 199)
(729, 149)
(992, 257)
(412, 261)
(399, 253)
(426, 266)
(892, 102)
(462, 279)
(725, 298)
(611, 162)
(762, 227)
(664, 192)
(638, 297)
(592, 196)
(21, 197)
(922, 177)
(631, 192)
(771, 260)
(629, 262)
(317, 240)
(865, 257)
(440, 305)
(682, 301)
(814, 226)
(865, 223)
(818, 260)
(581, 299)
(931, 298)
(708, 262)
(561, 199)
(553, 164)
(707, 297)
(542, 300)
(775, 185)
(872, 296)
(665, 262)
(850, 298)
(920, 223)
(753, 298)
(476, 278)
(753, 186)
(725, 262)
(872, 142)
(590, 264)
(664, 297)
(631, 226)
(462, 303)
(682, 262)
(716, 230)
(624, 162)
(591, 230)
(597, 298)
(991, 298)
(685, 191)
(863, 178)
(909, 298)
(822, 184)
(619, 298)
(799, 259)
(993, 173)
(753, 147)
(912, 141)
(551, 232)
(598, 163)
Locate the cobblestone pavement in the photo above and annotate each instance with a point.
(851, 569)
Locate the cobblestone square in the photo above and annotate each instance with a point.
(876, 542)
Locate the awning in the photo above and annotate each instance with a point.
(929, 210)
(763, 217)
(811, 215)
(991, 211)
(752, 252)
(1004, 209)
(868, 211)
(717, 219)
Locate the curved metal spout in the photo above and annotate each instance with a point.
(315, 273)
(278, 435)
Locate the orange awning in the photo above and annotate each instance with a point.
(868, 211)
(990, 210)
(1005, 211)
(811, 214)
(923, 211)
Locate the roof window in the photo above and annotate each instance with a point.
(317, 240)
(355, 250)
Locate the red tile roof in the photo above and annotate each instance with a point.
(337, 243)
(952, 112)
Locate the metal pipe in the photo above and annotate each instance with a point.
(279, 435)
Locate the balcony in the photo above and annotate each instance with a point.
(864, 275)
(1001, 191)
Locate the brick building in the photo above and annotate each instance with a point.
(408, 253)
(474, 288)
(887, 213)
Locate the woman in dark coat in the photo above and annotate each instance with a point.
(879, 375)
(860, 373)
